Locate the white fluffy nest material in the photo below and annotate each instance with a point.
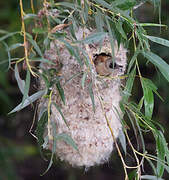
(88, 129)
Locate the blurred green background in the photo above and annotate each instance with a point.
(19, 155)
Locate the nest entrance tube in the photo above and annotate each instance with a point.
(87, 128)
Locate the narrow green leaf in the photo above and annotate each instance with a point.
(166, 149)
(28, 101)
(128, 4)
(26, 87)
(54, 138)
(141, 134)
(60, 91)
(79, 2)
(132, 175)
(46, 141)
(164, 165)
(125, 15)
(20, 82)
(111, 35)
(49, 165)
(53, 147)
(73, 76)
(9, 57)
(41, 126)
(152, 165)
(73, 51)
(92, 96)
(132, 118)
(69, 5)
(62, 137)
(8, 35)
(149, 177)
(39, 30)
(96, 37)
(117, 2)
(4, 64)
(58, 35)
(72, 30)
(134, 114)
(133, 59)
(103, 3)
(34, 44)
(120, 29)
(28, 16)
(3, 31)
(14, 46)
(87, 60)
(84, 79)
(152, 86)
(60, 111)
(99, 21)
(165, 145)
(143, 121)
(85, 11)
(148, 97)
(42, 60)
(159, 62)
(140, 104)
(67, 139)
(151, 24)
(160, 146)
(143, 41)
(129, 85)
(158, 40)
(122, 139)
(46, 42)
(46, 80)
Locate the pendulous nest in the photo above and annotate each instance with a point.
(87, 124)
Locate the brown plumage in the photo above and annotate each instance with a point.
(103, 64)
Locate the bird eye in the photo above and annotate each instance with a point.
(111, 65)
(115, 65)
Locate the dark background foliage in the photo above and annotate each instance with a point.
(19, 153)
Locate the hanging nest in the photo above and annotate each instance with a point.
(92, 95)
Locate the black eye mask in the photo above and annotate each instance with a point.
(116, 65)
(104, 64)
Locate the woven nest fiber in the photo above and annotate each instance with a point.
(88, 128)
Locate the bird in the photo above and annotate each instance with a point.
(103, 64)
